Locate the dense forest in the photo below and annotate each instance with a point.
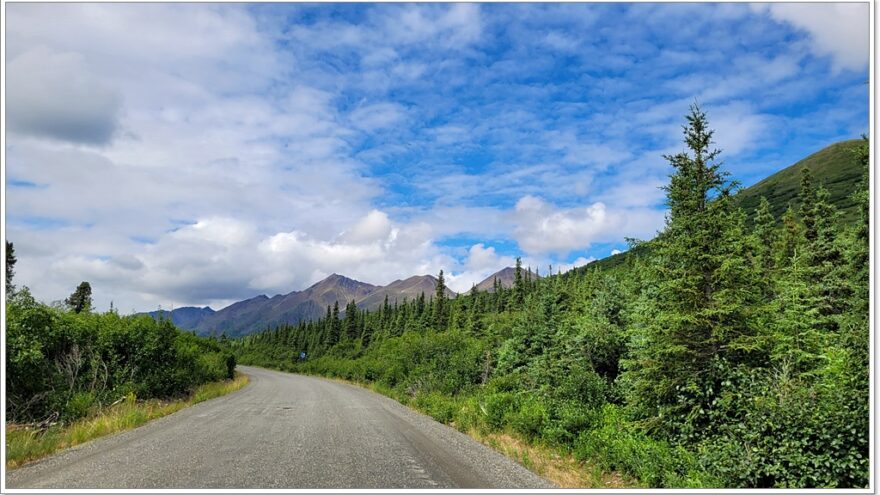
(65, 361)
(727, 353)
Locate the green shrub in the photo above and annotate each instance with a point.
(469, 415)
(79, 405)
(616, 444)
(497, 407)
(65, 363)
(438, 406)
(792, 433)
(529, 418)
(567, 420)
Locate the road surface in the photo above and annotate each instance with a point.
(283, 431)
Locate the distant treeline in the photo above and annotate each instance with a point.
(65, 362)
(723, 356)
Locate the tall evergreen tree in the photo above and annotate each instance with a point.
(441, 313)
(519, 290)
(10, 268)
(696, 321)
(335, 326)
(808, 211)
(765, 237)
(351, 324)
(81, 299)
(790, 238)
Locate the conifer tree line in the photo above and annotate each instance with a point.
(728, 353)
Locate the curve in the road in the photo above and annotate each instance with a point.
(283, 431)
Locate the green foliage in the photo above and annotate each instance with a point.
(69, 362)
(497, 407)
(529, 418)
(81, 299)
(440, 407)
(705, 288)
(441, 313)
(616, 444)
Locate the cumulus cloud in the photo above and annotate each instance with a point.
(53, 94)
(541, 227)
(738, 127)
(838, 30)
(374, 227)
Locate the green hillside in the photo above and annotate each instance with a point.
(835, 167)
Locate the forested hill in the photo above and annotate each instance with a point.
(730, 353)
(835, 167)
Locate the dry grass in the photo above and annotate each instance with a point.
(562, 469)
(24, 444)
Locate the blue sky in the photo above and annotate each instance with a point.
(199, 154)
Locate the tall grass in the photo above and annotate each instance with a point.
(24, 444)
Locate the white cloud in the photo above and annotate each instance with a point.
(482, 258)
(738, 127)
(838, 30)
(544, 228)
(373, 227)
(53, 95)
(580, 261)
(541, 227)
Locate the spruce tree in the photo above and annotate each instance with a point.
(765, 237)
(695, 322)
(335, 326)
(790, 238)
(10, 268)
(81, 299)
(519, 289)
(440, 310)
(351, 327)
(808, 211)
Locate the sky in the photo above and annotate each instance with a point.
(199, 154)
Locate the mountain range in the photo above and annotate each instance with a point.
(261, 312)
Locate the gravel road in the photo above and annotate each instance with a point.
(283, 431)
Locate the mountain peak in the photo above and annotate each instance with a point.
(337, 280)
(505, 276)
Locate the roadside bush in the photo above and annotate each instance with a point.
(441, 408)
(79, 405)
(67, 363)
(497, 407)
(469, 416)
(795, 434)
(530, 417)
(616, 444)
(567, 420)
